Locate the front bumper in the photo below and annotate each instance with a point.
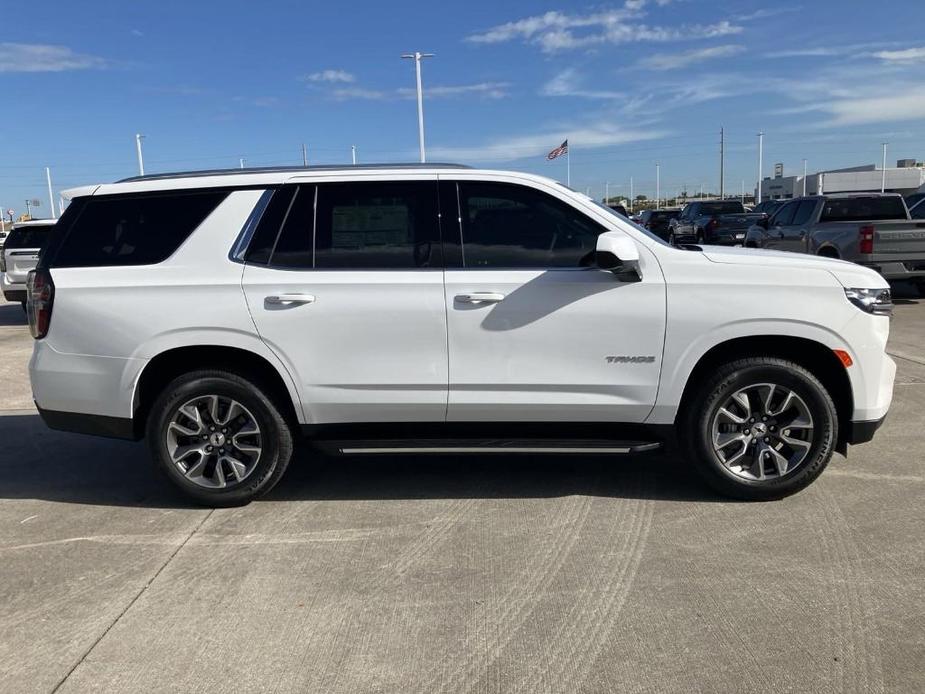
(862, 432)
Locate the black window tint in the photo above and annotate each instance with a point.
(784, 215)
(133, 230)
(29, 237)
(261, 243)
(804, 212)
(382, 225)
(507, 225)
(294, 246)
(863, 209)
(712, 208)
(918, 211)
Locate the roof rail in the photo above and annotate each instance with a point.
(285, 169)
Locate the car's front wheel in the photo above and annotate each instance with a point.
(220, 438)
(761, 428)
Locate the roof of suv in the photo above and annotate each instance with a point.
(269, 176)
(34, 223)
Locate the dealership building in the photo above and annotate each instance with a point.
(907, 177)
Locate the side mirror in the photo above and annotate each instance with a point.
(616, 252)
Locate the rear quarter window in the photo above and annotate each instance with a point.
(133, 229)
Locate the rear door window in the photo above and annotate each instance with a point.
(784, 216)
(804, 212)
(141, 229)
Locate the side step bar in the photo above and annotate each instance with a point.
(494, 446)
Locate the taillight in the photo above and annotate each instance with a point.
(712, 224)
(866, 240)
(40, 295)
(2, 260)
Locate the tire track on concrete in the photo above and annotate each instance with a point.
(860, 668)
(518, 602)
(583, 633)
(345, 639)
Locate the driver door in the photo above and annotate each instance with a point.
(535, 331)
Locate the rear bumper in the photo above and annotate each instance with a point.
(896, 269)
(93, 424)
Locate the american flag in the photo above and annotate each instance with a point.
(558, 151)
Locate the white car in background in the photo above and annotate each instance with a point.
(20, 254)
(440, 309)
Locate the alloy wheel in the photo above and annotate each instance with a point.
(763, 431)
(214, 441)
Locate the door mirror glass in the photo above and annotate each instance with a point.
(616, 252)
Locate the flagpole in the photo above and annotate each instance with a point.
(568, 165)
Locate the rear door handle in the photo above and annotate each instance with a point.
(288, 299)
(480, 298)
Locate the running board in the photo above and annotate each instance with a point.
(495, 446)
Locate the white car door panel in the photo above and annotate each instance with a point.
(363, 343)
(554, 344)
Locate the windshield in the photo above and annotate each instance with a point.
(626, 220)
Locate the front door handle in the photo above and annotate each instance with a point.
(288, 299)
(478, 298)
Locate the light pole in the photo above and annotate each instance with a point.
(417, 56)
(658, 185)
(632, 199)
(722, 163)
(51, 196)
(804, 178)
(141, 160)
(241, 161)
(353, 154)
(883, 169)
(760, 165)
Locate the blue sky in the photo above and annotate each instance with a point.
(629, 83)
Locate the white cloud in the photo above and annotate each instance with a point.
(905, 57)
(904, 104)
(345, 93)
(331, 76)
(673, 61)
(488, 90)
(37, 57)
(569, 82)
(557, 31)
(537, 145)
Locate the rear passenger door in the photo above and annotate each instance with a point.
(345, 283)
(779, 226)
(536, 331)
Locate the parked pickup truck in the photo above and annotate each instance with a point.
(871, 229)
(715, 222)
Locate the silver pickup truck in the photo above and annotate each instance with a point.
(871, 229)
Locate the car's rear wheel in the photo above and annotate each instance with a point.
(761, 428)
(700, 237)
(220, 438)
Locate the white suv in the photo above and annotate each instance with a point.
(438, 309)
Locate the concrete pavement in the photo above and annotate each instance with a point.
(459, 575)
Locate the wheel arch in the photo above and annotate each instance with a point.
(828, 250)
(170, 363)
(816, 357)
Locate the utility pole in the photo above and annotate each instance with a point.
(304, 155)
(353, 154)
(722, 163)
(417, 56)
(883, 169)
(743, 192)
(701, 192)
(760, 165)
(658, 185)
(804, 178)
(632, 198)
(51, 196)
(606, 192)
(141, 160)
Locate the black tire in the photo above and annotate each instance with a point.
(672, 241)
(23, 304)
(739, 374)
(700, 238)
(920, 287)
(276, 437)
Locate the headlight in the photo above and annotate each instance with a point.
(876, 301)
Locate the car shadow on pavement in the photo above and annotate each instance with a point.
(38, 463)
(12, 314)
